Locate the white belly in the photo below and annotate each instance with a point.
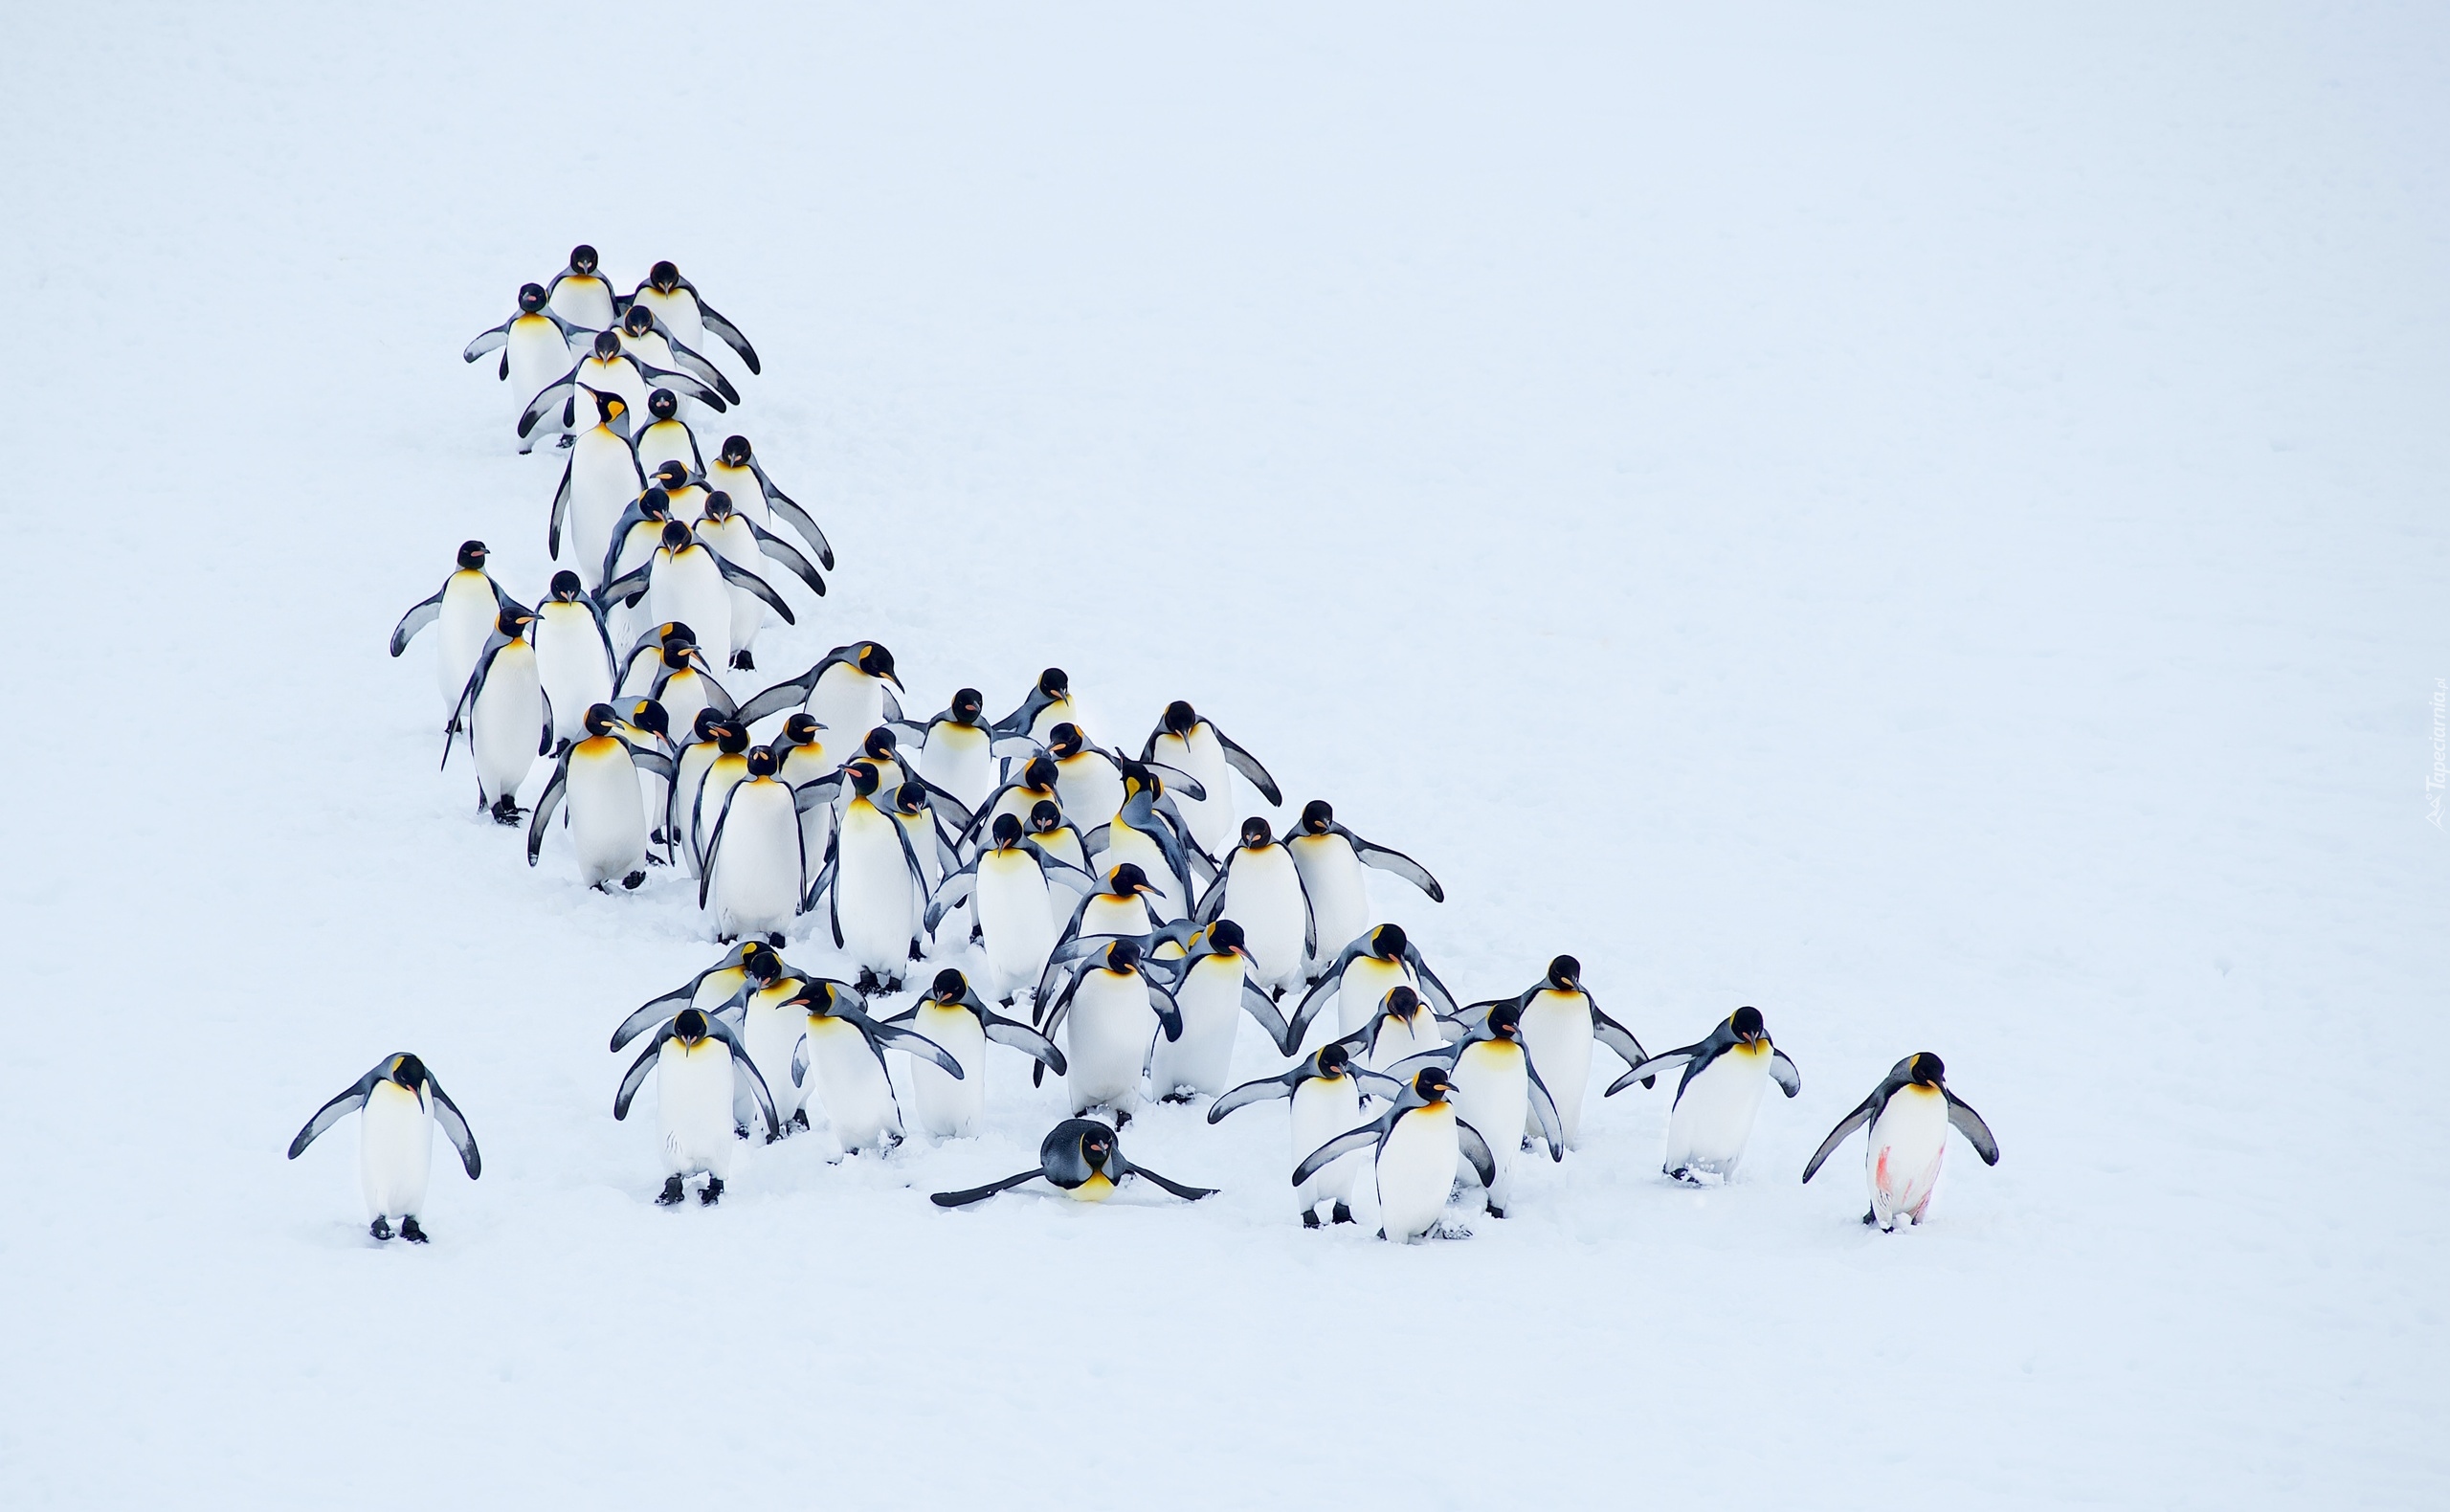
(1107, 1033)
(1713, 1120)
(1493, 1094)
(956, 759)
(1903, 1156)
(395, 1152)
(771, 1033)
(1264, 895)
(1557, 1029)
(683, 698)
(1211, 818)
(585, 302)
(755, 888)
(1322, 1111)
(538, 356)
(852, 1084)
(664, 441)
(848, 702)
(693, 1109)
(1109, 915)
(508, 722)
(467, 620)
(570, 659)
(1416, 1171)
(688, 587)
(1124, 844)
(873, 892)
(1365, 984)
(1211, 1000)
(1398, 1037)
(949, 1109)
(736, 545)
(1339, 896)
(706, 809)
(604, 480)
(1016, 919)
(748, 493)
(679, 312)
(607, 828)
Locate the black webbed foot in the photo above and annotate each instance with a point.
(410, 1231)
(713, 1193)
(381, 1228)
(1309, 1217)
(632, 881)
(674, 1188)
(1340, 1213)
(800, 1116)
(743, 662)
(866, 982)
(506, 809)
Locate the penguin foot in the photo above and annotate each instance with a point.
(714, 1192)
(976, 934)
(800, 1116)
(566, 443)
(893, 984)
(451, 726)
(381, 1228)
(674, 1190)
(1495, 1211)
(737, 1132)
(506, 811)
(657, 837)
(653, 859)
(1685, 1174)
(776, 939)
(866, 981)
(1121, 1118)
(1178, 1095)
(1340, 1213)
(915, 954)
(1005, 1001)
(743, 662)
(410, 1231)
(1309, 1218)
(631, 883)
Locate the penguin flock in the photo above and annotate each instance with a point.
(1112, 918)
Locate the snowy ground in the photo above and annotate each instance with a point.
(1932, 526)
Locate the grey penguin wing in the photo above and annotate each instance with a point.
(912, 1042)
(337, 1109)
(1187, 1193)
(1266, 1089)
(1017, 1036)
(1968, 1122)
(545, 805)
(963, 1199)
(726, 332)
(1248, 765)
(454, 1127)
(1783, 1072)
(1650, 1069)
(1476, 1150)
(1865, 1112)
(1366, 1137)
(741, 577)
(1395, 862)
(420, 614)
(637, 1075)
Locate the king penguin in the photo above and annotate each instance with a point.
(950, 1014)
(597, 776)
(401, 1102)
(738, 473)
(535, 343)
(1079, 1159)
(507, 721)
(580, 294)
(465, 606)
(1198, 750)
(1910, 1114)
(1115, 1009)
(1325, 1093)
(1260, 885)
(844, 1054)
(851, 690)
(1561, 1021)
(705, 1087)
(1415, 1145)
(1718, 1098)
(1331, 857)
(666, 438)
(598, 482)
(677, 302)
(1214, 992)
(573, 654)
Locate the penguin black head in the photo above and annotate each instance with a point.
(609, 407)
(877, 662)
(407, 1071)
(1038, 775)
(1225, 935)
(513, 622)
(690, 1027)
(600, 720)
(1432, 1085)
(760, 759)
(1747, 1024)
(1317, 815)
(1128, 880)
(638, 320)
(607, 345)
(676, 535)
(674, 653)
(1180, 717)
(531, 297)
(1097, 1146)
(1123, 956)
(471, 556)
(663, 404)
(652, 717)
(655, 503)
(566, 587)
(1255, 834)
(582, 259)
(732, 736)
(1925, 1069)
(1008, 831)
(676, 630)
(1045, 816)
(735, 452)
(968, 703)
(863, 778)
(1505, 1021)
(670, 474)
(1333, 1057)
(1387, 942)
(664, 277)
(950, 986)
(800, 729)
(1055, 683)
(1066, 740)
(1564, 972)
(719, 505)
(760, 962)
(910, 798)
(879, 743)
(1137, 779)
(1400, 1002)
(709, 720)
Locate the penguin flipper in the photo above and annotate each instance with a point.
(488, 340)
(1017, 1036)
(679, 383)
(1443, 1059)
(1314, 1000)
(1394, 862)
(1266, 1089)
(910, 1041)
(1865, 1112)
(816, 794)
(1177, 780)
(714, 845)
(1366, 1137)
(963, 1199)
(545, 805)
(1654, 1066)
(648, 1014)
(1544, 1107)
(727, 333)
(655, 761)
(1476, 1150)
(1059, 870)
(949, 894)
(633, 581)
(1212, 900)
(749, 1096)
(337, 1109)
(1262, 1008)
(561, 511)
(637, 1075)
(784, 694)
(420, 614)
(704, 370)
(1619, 1040)
(1790, 1080)
(799, 1062)
(1432, 989)
(799, 518)
(743, 578)
(1968, 1122)
(454, 1127)
(1185, 1193)
(560, 391)
(1169, 1013)
(1248, 765)
(783, 551)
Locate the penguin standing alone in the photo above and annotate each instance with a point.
(1719, 1096)
(401, 1102)
(1910, 1114)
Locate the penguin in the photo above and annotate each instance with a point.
(1197, 747)
(535, 343)
(686, 577)
(504, 701)
(401, 1102)
(772, 1026)
(1325, 1093)
(746, 544)
(1331, 857)
(633, 538)
(685, 495)
(881, 749)
(598, 482)
(1721, 1092)
(950, 1014)
(1360, 977)
(1910, 1114)
(1401, 1028)
(676, 302)
(666, 438)
(607, 369)
(1009, 883)
(573, 654)
(598, 774)
(1415, 1145)
(1212, 991)
(851, 689)
(1496, 1087)
(844, 1054)
(914, 807)
(1260, 885)
(651, 729)
(652, 343)
(1115, 1009)
(1081, 1159)
(712, 991)
(1149, 832)
(1087, 782)
(755, 869)
(1116, 907)
(1049, 704)
(1561, 1020)
(705, 1087)
(581, 295)
(685, 686)
(465, 606)
(725, 769)
(738, 473)
(805, 760)
(955, 751)
(708, 730)
(1018, 797)
(870, 880)
(1057, 838)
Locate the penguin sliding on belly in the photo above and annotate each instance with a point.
(508, 723)
(1325, 1093)
(465, 609)
(950, 1015)
(400, 1103)
(705, 1087)
(1721, 1092)
(599, 775)
(1909, 1114)
(1415, 1145)
(1079, 1159)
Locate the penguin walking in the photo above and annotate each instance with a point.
(737, 472)
(746, 544)
(1049, 704)
(1009, 885)
(1036, 785)
(666, 438)
(1401, 1028)
(708, 733)
(573, 654)
(1325, 1093)
(580, 293)
(1496, 1087)
(598, 482)
(508, 723)
(400, 1102)
(1197, 748)
(599, 775)
(653, 345)
(950, 1015)
(716, 991)
(697, 805)
(755, 869)
(1260, 885)
(651, 729)
(676, 302)
(805, 760)
(1910, 1114)
(1114, 1011)
(844, 1055)
(1079, 1159)
(1117, 907)
(1561, 1021)
(1719, 1096)
(770, 1029)
(607, 369)
(851, 689)
(686, 686)
(1212, 989)
(535, 343)
(1361, 976)
(1049, 833)
(1087, 782)
(687, 577)
(1149, 832)
(870, 881)
(1329, 858)
(705, 1087)
(464, 608)
(955, 750)
(1415, 1145)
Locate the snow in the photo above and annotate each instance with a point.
(1930, 524)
